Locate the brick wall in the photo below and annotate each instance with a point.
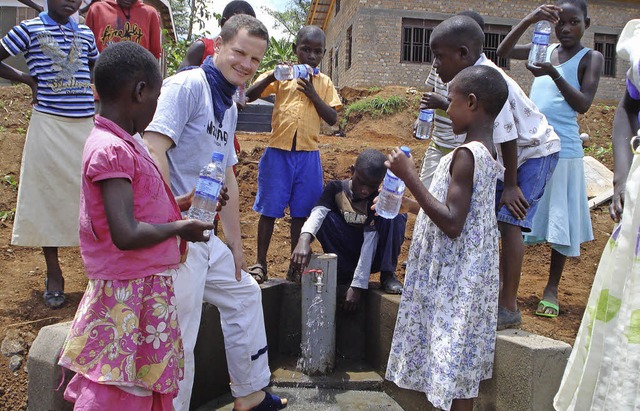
(377, 36)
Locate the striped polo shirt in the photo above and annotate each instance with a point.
(58, 57)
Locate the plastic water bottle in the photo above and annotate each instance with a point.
(210, 182)
(540, 43)
(390, 198)
(289, 72)
(239, 96)
(425, 124)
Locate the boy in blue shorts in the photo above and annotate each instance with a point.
(527, 147)
(60, 54)
(290, 172)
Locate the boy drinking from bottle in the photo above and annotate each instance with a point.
(290, 172)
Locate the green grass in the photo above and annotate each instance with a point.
(598, 152)
(7, 215)
(374, 89)
(374, 107)
(10, 180)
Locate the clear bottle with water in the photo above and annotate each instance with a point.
(390, 198)
(540, 42)
(205, 201)
(284, 72)
(425, 124)
(239, 97)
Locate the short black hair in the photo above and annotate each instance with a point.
(460, 31)
(238, 22)
(474, 15)
(371, 163)
(236, 7)
(486, 83)
(309, 31)
(581, 4)
(121, 64)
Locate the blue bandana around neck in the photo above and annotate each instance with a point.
(221, 90)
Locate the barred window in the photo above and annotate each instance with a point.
(416, 34)
(606, 44)
(493, 36)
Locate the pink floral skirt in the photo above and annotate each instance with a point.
(126, 332)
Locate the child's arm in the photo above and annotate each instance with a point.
(450, 216)
(302, 253)
(326, 112)
(579, 100)
(509, 48)
(625, 126)
(512, 196)
(255, 91)
(33, 5)
(11, 74)
(129, 234)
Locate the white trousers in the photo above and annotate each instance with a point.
(210, 276)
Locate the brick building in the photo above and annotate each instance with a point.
(386, 42)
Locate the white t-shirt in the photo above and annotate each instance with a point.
(520, 119)
(185, 115)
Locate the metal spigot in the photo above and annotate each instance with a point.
(317, 279)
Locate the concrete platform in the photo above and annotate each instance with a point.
(347, 375)
(312, 399)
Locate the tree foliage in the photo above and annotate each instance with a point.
(190, 15)
(293, 18)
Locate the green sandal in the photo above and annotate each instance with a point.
(543, 305)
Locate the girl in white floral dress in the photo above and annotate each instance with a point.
(445, 333)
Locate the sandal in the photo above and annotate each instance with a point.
(544, 306)
(270, 402)
(53, 299)
(258, 272)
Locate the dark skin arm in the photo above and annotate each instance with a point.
(589, 70)
(11, 74)
(509, 47)
(129, 234)
(512, 196)
(451, 215)
(33, 5)
(255, 91)
(625, 125)
(194, 55)
(326, 112)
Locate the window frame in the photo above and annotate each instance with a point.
(606, 44)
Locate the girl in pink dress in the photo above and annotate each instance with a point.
(124, 343)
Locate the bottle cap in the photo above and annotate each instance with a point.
(217, 157)
(406, 150)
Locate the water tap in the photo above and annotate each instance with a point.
(318, 276)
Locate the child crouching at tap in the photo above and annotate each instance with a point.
(124, 343)
(445, 333)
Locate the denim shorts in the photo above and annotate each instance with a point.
(288, 178)
(533, 175)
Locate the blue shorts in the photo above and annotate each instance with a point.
(288, 178)
(532, 178)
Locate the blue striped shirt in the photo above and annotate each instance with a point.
(58, 57)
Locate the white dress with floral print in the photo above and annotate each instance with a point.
(445, 333)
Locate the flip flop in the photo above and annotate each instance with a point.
(258, 272)
(270, 402)
(53, 299)
(543, 305)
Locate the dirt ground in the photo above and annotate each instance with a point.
(22, 269)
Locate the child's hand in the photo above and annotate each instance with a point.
(352, 300)
(302, 253)
(617, 202)
(184, 201)
(223, 197)
(401, 165)
(306, 86)
(33, 83)
(193, 230)
(433, 101)
(543, 69)
(515, 202)
(548, 12)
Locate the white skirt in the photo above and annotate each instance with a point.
(49, 186)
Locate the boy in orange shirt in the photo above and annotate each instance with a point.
(290, 172)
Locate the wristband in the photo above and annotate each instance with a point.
(557, 78)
